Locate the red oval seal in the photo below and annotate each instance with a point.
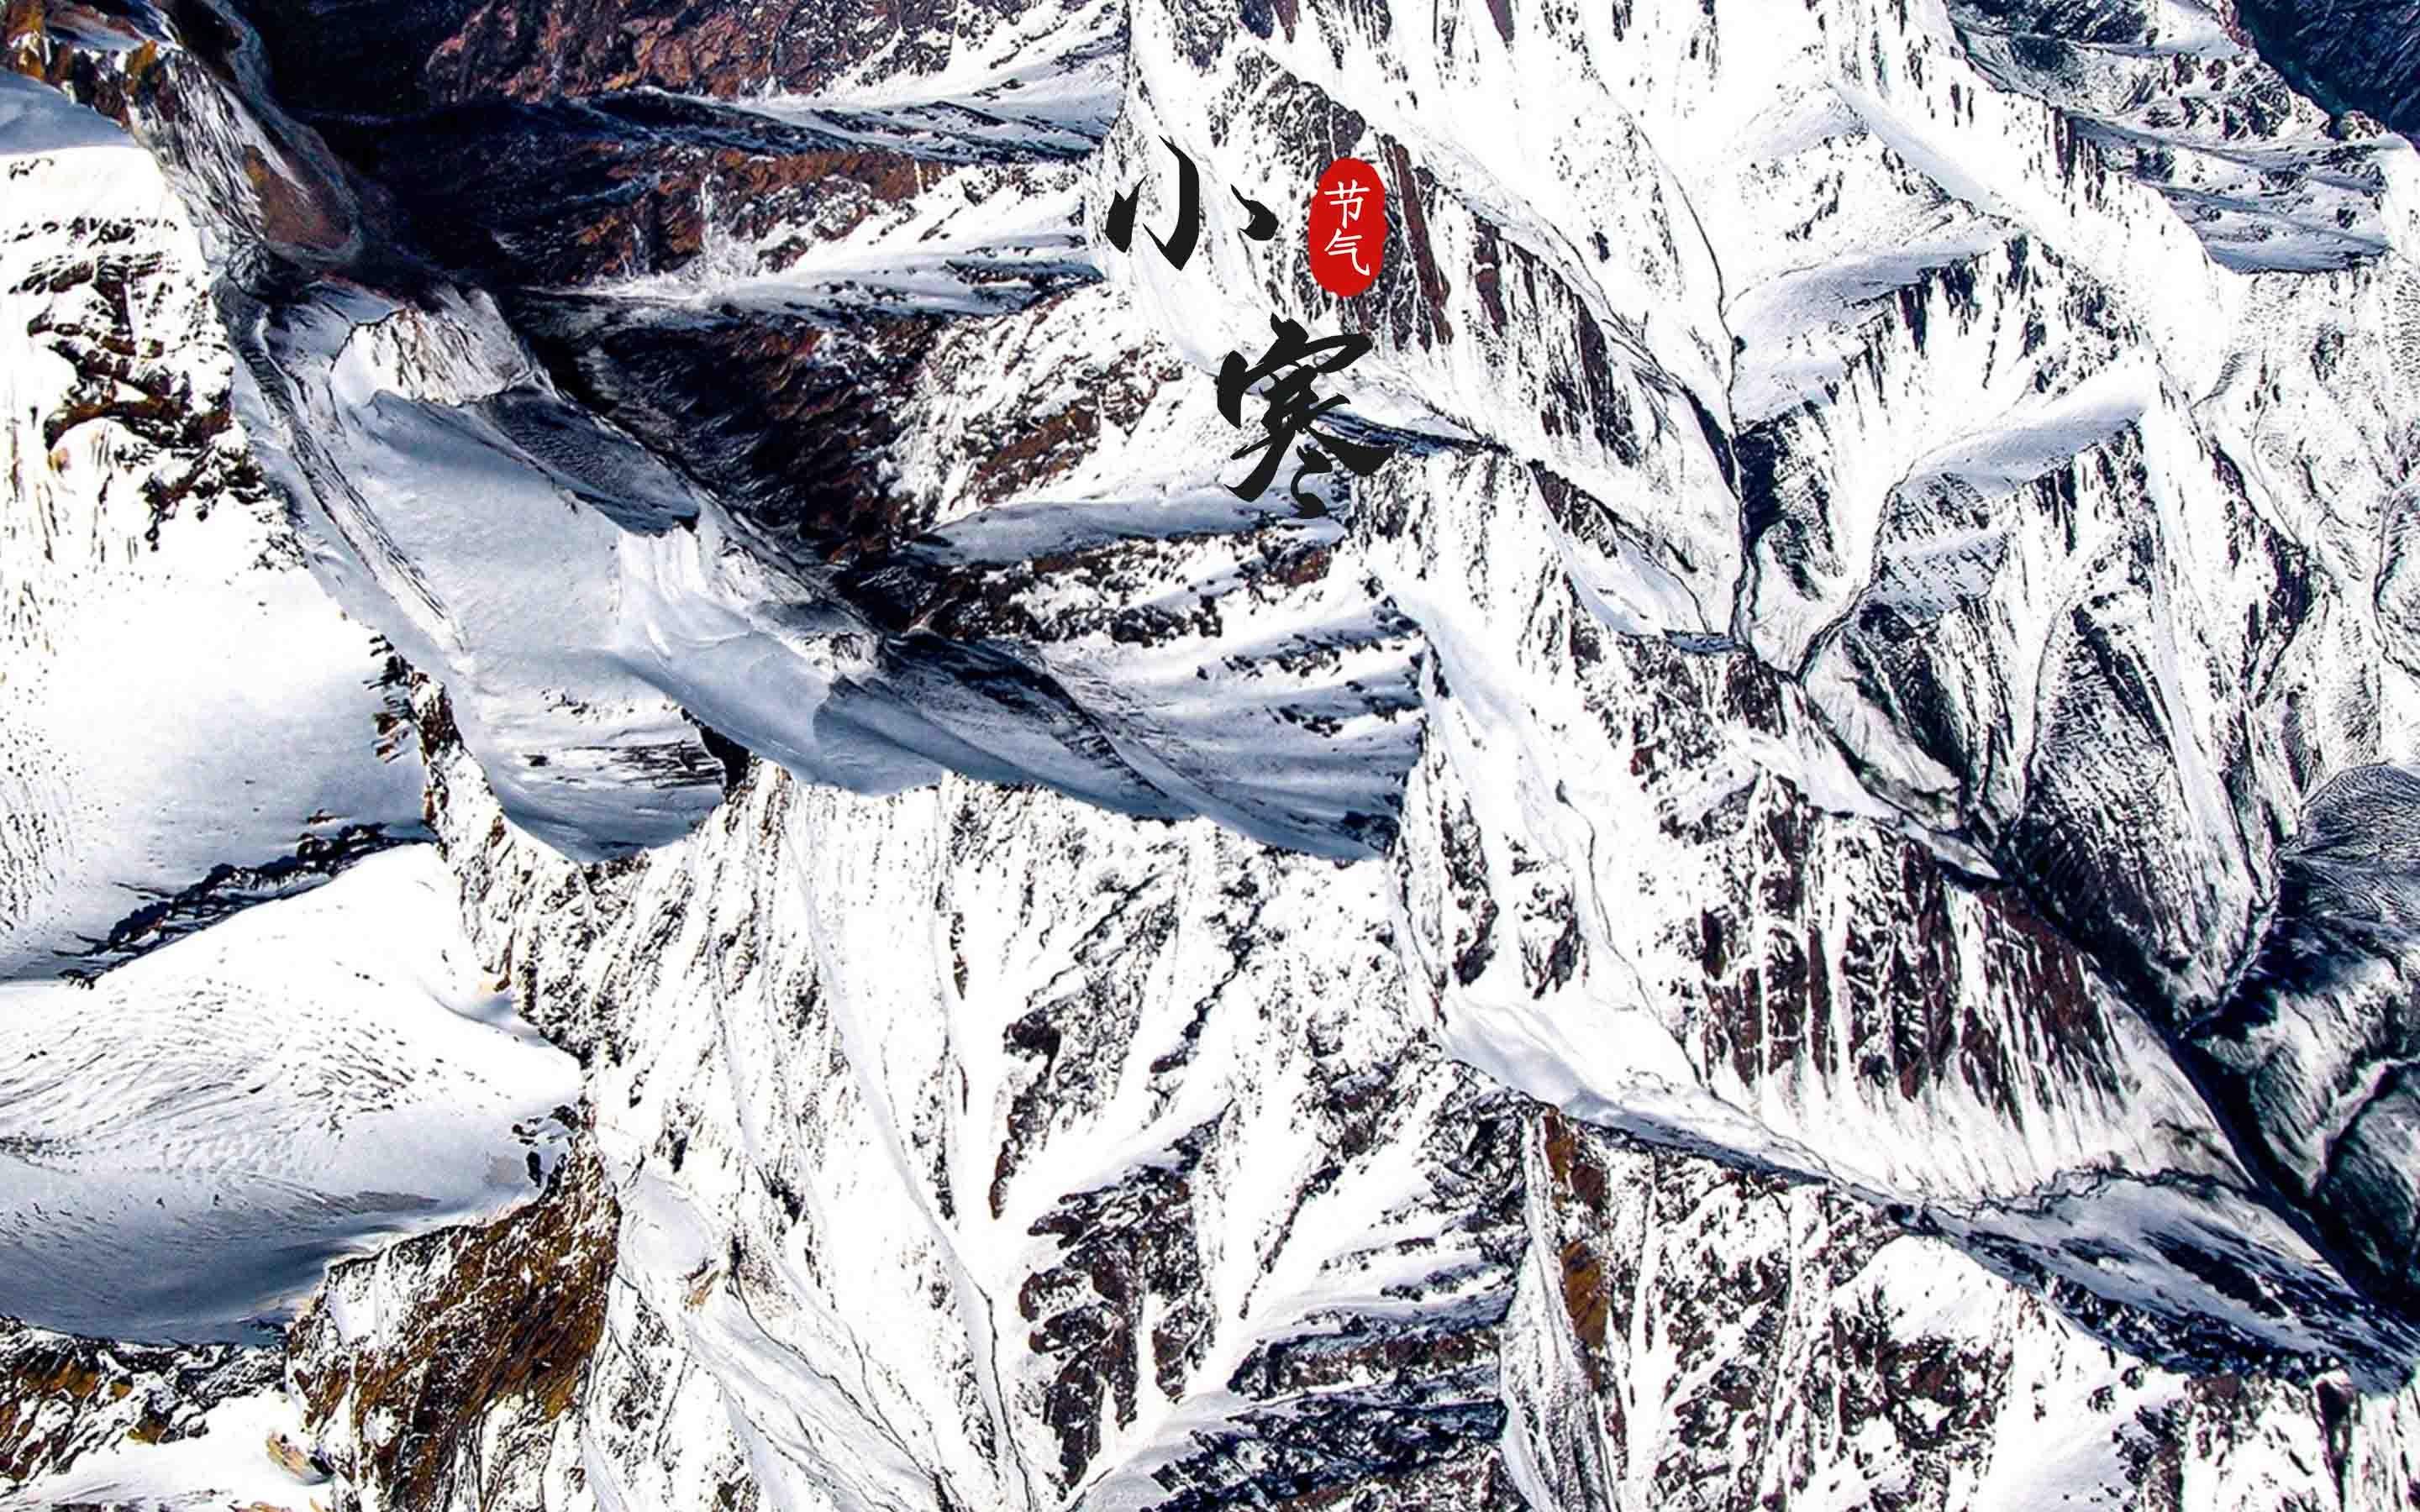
(1348, 226)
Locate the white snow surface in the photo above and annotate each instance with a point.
(163, 709)
(186, 1143)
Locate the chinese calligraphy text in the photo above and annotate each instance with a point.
(1293, 406)
(1348, 234)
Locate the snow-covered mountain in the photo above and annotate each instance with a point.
(1807, 898)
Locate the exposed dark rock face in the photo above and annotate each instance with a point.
(2185, 101)
(125, 378)
(63, 1398)
(466, 1391)
(2348, 55)
(2311, 1056)
(1776, 1322)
